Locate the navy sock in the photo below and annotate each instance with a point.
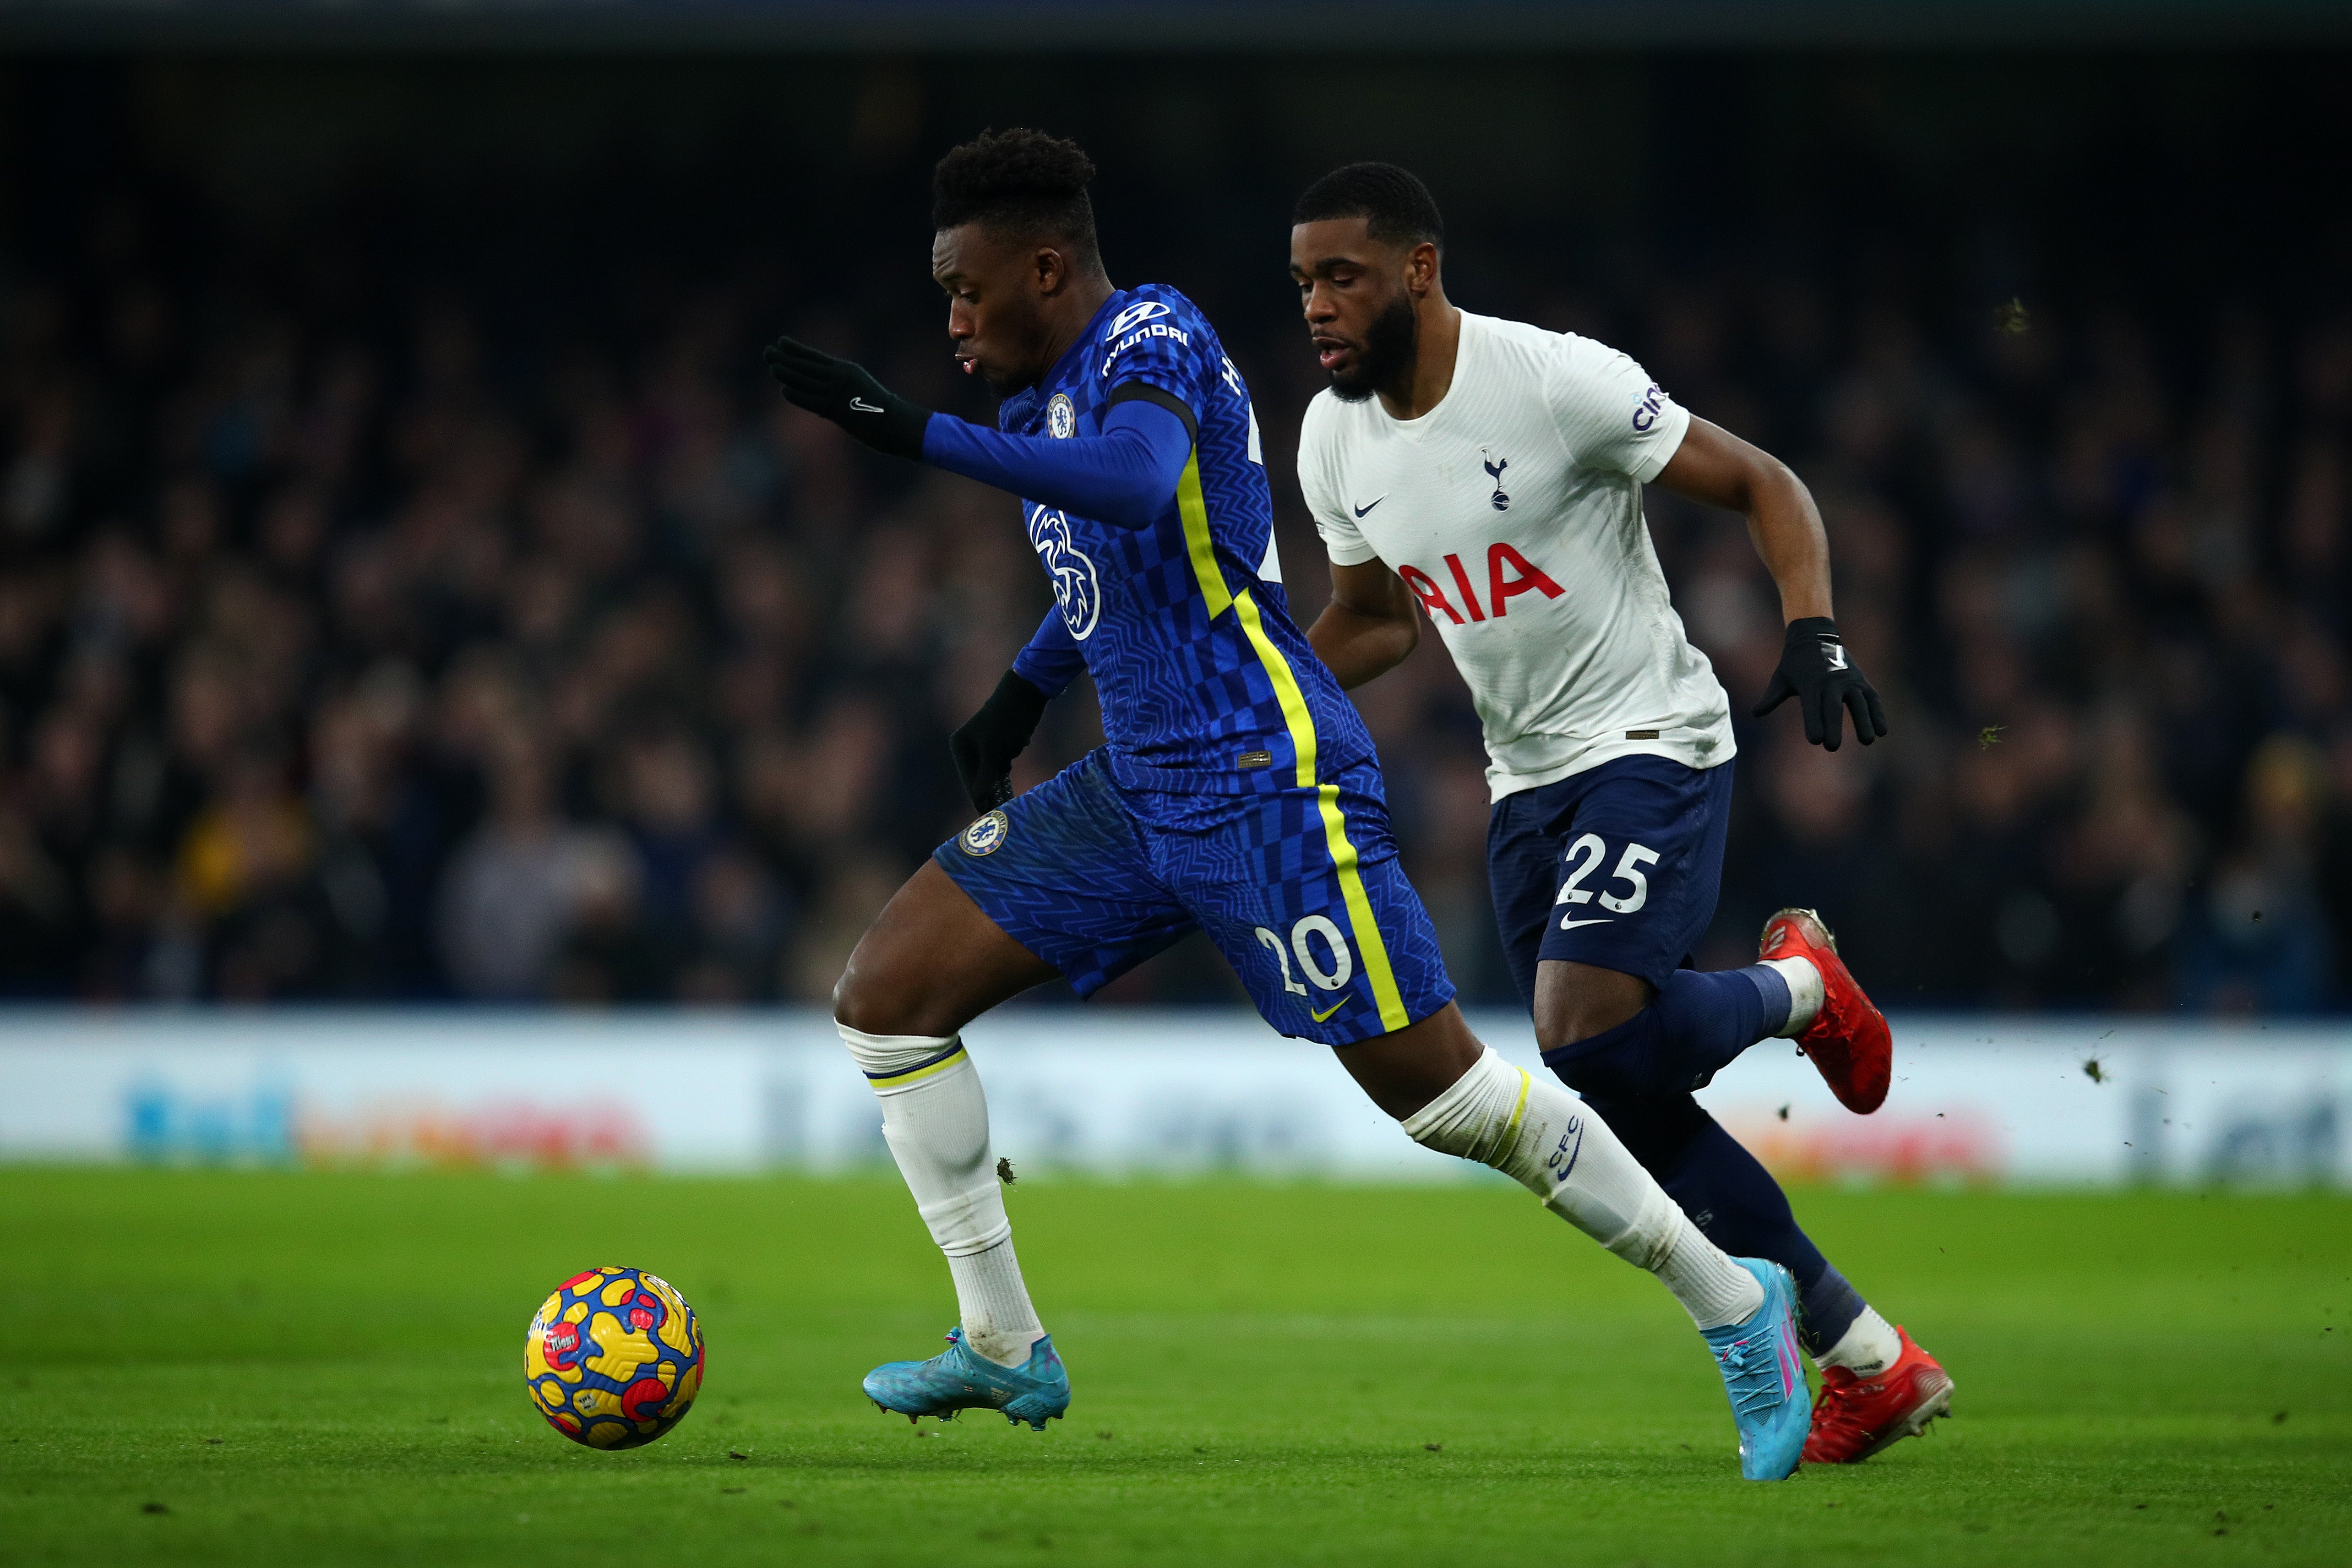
(1825, 1309)
(1734, 1200)
(1699, 1022)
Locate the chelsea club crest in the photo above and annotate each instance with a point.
(985, 835)
(1061, 417)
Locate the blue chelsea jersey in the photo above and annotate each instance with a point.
(1205, 682)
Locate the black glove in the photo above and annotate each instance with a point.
(844, 394)
(984, 748)
(1815, 670)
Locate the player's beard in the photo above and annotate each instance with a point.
(1385, 362)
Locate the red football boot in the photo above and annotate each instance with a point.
(1855, 1417)
(1848, 1039)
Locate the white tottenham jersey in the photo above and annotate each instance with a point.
(1513, 511)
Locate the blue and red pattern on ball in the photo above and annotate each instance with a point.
(614, 1358)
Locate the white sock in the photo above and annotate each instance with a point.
(1804, 993)
(1868, 1347)
(1556, 1146)
(935, 1119)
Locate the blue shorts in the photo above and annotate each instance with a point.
(1299, 889)
(1619, 866)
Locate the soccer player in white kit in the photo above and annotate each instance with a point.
(1488, 475)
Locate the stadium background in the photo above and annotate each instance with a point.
(413, 590)
(415, 612)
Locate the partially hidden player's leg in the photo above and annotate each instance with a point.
(1707, 1170)
(1877, 1387)
(1457, 1096)
(1634, 1050)
(931, 962)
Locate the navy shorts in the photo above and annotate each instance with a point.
(1619, 866)
(1300, 888)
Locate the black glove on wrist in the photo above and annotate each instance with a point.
(984, 748)
(844, 394)
(1815, 670)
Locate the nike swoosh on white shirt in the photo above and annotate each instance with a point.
(1566, 924)
(863, 407)
(1371, 503)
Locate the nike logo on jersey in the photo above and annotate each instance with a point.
(1568, 924)
(1370, 504)
(1327, 1012)
(864, 407)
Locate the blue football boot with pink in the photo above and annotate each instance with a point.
(1757, 1358)
(960, 1378)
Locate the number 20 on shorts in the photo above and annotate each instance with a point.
(1343, 964)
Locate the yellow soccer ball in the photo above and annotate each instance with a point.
(613, 1358)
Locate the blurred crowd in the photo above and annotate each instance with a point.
(375, 654)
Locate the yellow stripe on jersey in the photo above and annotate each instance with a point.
(1201, 548)
(1194, 509)
(1335, 822)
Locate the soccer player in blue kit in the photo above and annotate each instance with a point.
(1237, 793)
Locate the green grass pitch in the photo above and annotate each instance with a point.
(261, 1368)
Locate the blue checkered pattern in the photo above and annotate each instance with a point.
(1095, 878)
(1180, 687)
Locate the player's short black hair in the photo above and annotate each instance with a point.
(1396, 207)
(1022, 183)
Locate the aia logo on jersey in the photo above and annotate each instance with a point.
(1495, 467)
(1076, 589)
(1134, 316)
(1508, 573)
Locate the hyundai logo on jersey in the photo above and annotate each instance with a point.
(1134, 315)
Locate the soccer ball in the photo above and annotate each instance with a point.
(613, 1358)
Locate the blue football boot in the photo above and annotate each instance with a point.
(959, 1378)
(1760, 1371)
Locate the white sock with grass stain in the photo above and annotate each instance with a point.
(1554, 1145)
(935, 1119)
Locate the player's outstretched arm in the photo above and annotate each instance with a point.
(1369, 626)
(1714, 466)
(847, 395)
(1126, 476)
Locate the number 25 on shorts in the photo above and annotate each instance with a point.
(1587, 853)
(1343, 962)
